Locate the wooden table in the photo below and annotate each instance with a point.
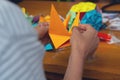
(105, 65)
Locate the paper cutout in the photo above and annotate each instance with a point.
(35, 25)
(58, 33)
(66, 21)
(84, 13)
(76, 22)
(67, 43)
(93, 18)
(58, 40)
(48, 47)
(104, 36)
(81, 15)
(88, 14)
(41, 19)
(73, 15)
(83, 7)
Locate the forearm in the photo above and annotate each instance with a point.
(75, 66)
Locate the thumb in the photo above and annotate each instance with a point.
(78, 29)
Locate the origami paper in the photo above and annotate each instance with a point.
(60, 30)
(104, 36)
(41, 19)
(76, 22)
(88, 14)
(93, 18)
(35, 25)
(57, 31)
(59, 35)
(72, 17)
(66, 21)
(48, 47)
(83, 7)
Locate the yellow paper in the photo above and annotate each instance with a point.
(23, 10)
(83, 7)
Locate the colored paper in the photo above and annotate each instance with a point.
(72, 17)
(58, 40)
(48, 47)
(76, 22)
(93, 18)
(66, 21)
(57, 31)
(83, 7)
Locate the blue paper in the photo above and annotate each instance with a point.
(48, 47)
(34, 25)
(93, 18)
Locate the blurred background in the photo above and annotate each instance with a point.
(16, 1)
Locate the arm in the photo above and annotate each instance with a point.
(84, 40)
(75, 66)
(21, 52)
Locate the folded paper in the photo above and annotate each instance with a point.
(60, 30)
(57, 31)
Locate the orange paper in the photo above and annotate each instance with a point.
(66, 21)
(57, 30)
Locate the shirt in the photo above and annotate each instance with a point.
(21, 54)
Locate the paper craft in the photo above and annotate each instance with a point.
(60, 30)
(93, 18)
(66, 21)
(57, 31)
(88, 14)
(83, 7)
(48, 47)
(76, 22)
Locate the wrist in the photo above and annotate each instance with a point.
(78, 52)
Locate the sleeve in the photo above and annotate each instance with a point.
(21, 54)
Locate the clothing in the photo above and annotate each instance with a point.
(16, 1)
(21, 53)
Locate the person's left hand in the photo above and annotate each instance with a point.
(42, 30)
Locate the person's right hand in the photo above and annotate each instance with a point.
(84, 39)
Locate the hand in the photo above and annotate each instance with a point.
(42, 30)
(84, 39)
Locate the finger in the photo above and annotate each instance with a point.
(82, 26)
(77, 30)
(81, 30)
(87, 27)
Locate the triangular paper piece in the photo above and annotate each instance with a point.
(48, 47)
(66, 21)
(41, 19)
(58, 40)
(67, 43)
(57, 31)
(82, 15)
(76, 22)
(56, 25)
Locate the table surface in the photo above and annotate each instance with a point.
(106, 63)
